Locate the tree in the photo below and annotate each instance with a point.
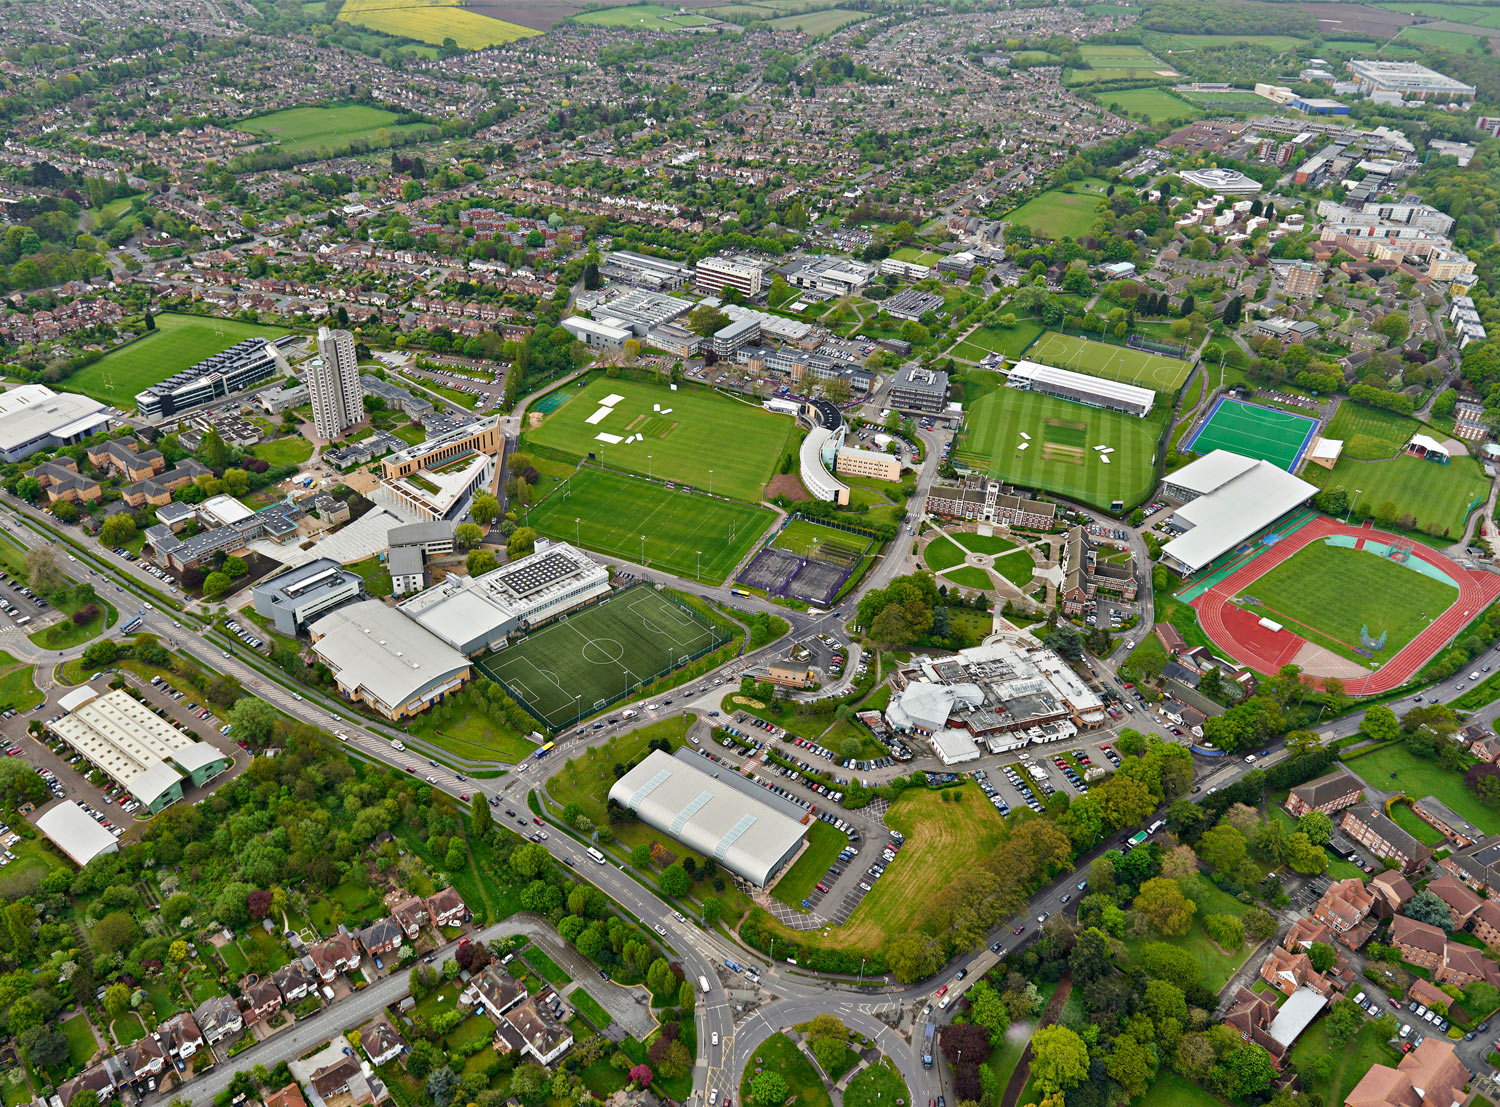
(1059, 1059)
(1162, 903)
(768, 1088)
(1344, 1021)
(43, 572)
(115, 932)
(1305, 857)
(480, 561)
(1322, 955)
(253, 719)
(442, 1085)
(521, 542)
(1317, 826)
(480, 816)
(216, 585)
(117, 530)
(674, 881)
(1259, 924)
(484, 509)
(1124, 801)
(235, 566)
(1226, 930)
(632, 349)
(116, 1000)
(468, 534)
(704, 320)
(1131, 1065)
(45, 1047)
(1429, 908)
(912, 955)
(213, 451)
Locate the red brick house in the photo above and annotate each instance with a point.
(1334, 792)
(1344, 908)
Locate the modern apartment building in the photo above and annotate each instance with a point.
(338, 397)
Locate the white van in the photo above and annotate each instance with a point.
(629, 714)
(396, 744)
(1405, 1029)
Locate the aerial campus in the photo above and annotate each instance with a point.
(769, 553)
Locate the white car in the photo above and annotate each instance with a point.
(716, 1037)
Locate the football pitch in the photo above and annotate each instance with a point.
(1115, 363)
(692, 435)
(1059, 455)
(1327, 593)
(178, 342)
(610, 512)
(587, 660)
(1250, 430)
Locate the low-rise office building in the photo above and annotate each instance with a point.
(298, 596)
(247, 363)
(920, 390)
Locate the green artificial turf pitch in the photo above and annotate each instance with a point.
(704, 430)
(178, 342)
(1327, 593)
(577, 665)
(1254, 431)
(1053, 461)
(1115, 363)
(610, 512)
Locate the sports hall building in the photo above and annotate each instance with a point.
(1033, 376)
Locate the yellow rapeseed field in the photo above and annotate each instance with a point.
(433, 21)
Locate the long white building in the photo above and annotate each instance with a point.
(1033, 376)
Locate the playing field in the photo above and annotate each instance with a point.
(1057, 214)
(1059, 456)
(1438, 497)
(178, 342)
(818, 23)
(1253, 431)
(1155, 104)
(609, 512)
(1327, 593)
(699, 437)
(432, 21)
(1119, 56)
(299, 130)
(809, 539)
(1009, 342)
(1115, 363)
(578, 665)
(1370, 434)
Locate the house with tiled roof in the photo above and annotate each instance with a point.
(290, 1096)
(1391, 890)
(1382, 837)
(145, 1058)
(381, 937)
(1334, 792)
(1420, 943)
(1459, 897)
(61, 480)
(1429, 1076)
(1428, 994)
(263, 997)
(1303, 933)
(218, 1017)
(411, 914)
(1485, 923)
(530, 1028)
(102, 1079)
(446, 908)
(1286, 971)
(334, 955)
(180, 1035)
(381, 1043)
(157, 491)
(125, 460)
(1478, 865)
(295, 980)
(495, 989)
(1344, 909)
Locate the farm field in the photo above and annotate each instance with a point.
(1368, 433)
(1166, 41)
(573, 667)
(941, 838)
(432, 22)
(1058, 214)
(1396, 769)
(1436, 496)
(818, 23)
(1327, 593)
(1152, 103)
(1115, 363)
(302, 130)
(1478, 15)
(645, 17)
(675, 445)
(609, 512)
(1059, 457)
(178, 342)
(1011, 343)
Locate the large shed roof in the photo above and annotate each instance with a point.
(1234, 510)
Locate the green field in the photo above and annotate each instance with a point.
(1396, 769)
(968, 576)
(1350, 1061)
(802, 536)
(301, 130)
(283, 451)
(178, 342)
(1477, 15)
(823, 846)
(1010, 342)
(1436, 496)
(1057, 460)
(818, 23)
(1119, 56)
(610, 512)
(1171, 1090)
(879, 1085)
(1250, 430)
(1368, 433)
(1115, 363)
(1058, 213)
(1327, 593)
(744, 441)
(644, 17)
(1420, 829)
(17, 688)
(1165, 41)
(778, 1054)
(916, 256)
(1155, 104)
(1448, 40)
(942, 554)
(1215, 965)
(575, 666)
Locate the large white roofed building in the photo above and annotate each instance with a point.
(382, 658)
(1230, 498)
(714, 810)
(71, 830)
(1081, 388)
(33, 417)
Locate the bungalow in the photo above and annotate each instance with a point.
(263, 997)
(1378, 834)
(180, 1035)
(1334, 792)
(381, 1043)
(446, 908)
(218, 1016)
(381, 937)
(294, 980)
(410, 913)
(334, 955)
(1447, 822)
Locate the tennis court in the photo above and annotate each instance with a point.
(586, 661)
(1250, 430)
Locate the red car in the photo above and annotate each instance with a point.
(410, 769)
(941, 992)
(1017, 929)
(537, 819)
(464, 797)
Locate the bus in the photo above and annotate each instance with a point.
(739, 592)
(598, 858)
(927, 1046)
(1136, 840)
(134, 622)
(544, 751)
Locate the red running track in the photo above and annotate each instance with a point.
(1241, 634)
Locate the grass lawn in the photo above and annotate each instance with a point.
(476, 1028)
(1328, 593)
(917, 256)
(128, 1029)
(165, 1000)
(1350, 1061)
(178, 342)
(610, 512)
(66, 634)
(1155, 104)
(283, 451)
(17, 688)
(984, 543)
(586, 779)
(1436, 496)
(824, 844)
(432, 21)
(590, 1008)
(941, 838)
(1057, 213)
(374, 573)
(1115, 363)
(1338, 868)
(1423, 831)
(574, 667)
(1171, 1090)
(603, 1079)
(550, 969)
(438, 1000)
(1394, 768)
(1058, 456)
(81, 1040)
(1018, 568)
(778, 1054)
(473, 737)
(1368, 433)
(967, 576)
(1215, 965)
(234, 959)
(676, 445)
(941, 553)
(878, 1086)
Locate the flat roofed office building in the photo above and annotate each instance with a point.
(715, 811)
(382, 658)
(297, 597)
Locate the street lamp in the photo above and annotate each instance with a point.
(861, 972)
(700, 564)
(643, 549)
(577, 530)
(648, 466)
(1352, 502)
(710, 482)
